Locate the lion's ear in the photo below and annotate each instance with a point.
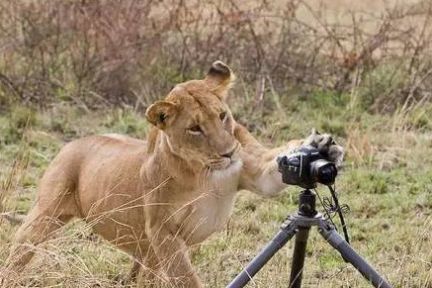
(161, 113)
(220, 78)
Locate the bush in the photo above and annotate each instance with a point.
(112, 52)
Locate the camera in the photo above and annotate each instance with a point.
(306, 167)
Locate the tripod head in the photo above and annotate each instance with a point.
(307, 208)
(307, 203)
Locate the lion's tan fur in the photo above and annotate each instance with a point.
(155, 198)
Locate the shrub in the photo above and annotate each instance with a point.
(112, 52)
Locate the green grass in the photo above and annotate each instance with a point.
(387, 182)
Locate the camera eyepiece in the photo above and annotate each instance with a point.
(306, 167)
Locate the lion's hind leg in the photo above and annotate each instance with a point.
(54, 207)
(38, 227)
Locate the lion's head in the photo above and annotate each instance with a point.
(195, 120)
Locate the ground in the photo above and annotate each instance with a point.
(386, 180)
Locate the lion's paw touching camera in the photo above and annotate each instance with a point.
(326, 146)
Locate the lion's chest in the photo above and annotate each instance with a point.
(212, 207)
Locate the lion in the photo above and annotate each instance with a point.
(155, 198)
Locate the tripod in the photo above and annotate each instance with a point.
(299, 224)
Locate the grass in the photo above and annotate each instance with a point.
(387, 182)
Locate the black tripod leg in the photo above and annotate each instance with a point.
(299, 257)
(350, 255)
(283, 236)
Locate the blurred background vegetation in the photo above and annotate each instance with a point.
(359, 70)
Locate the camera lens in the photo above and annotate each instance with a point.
(327, 174)
(323, 171)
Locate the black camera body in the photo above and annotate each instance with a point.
(306, 167)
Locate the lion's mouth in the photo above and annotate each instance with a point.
(222, 164)
(225, 162)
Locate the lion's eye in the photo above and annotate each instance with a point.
(195, 130)
(222, 116)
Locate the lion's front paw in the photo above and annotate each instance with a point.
(326, 146)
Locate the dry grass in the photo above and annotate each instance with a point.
(389, 194)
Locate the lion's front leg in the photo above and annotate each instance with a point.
(260, 169)
(172, 254)
(174, 259)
